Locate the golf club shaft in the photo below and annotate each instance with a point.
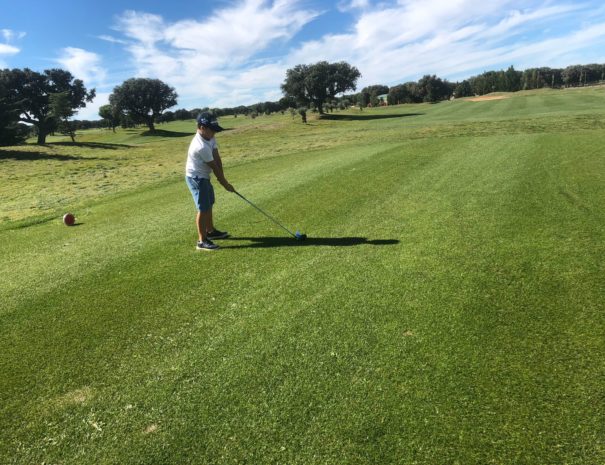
(267, 215)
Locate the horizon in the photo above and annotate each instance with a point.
(239, 52)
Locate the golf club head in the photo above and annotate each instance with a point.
(299, 236)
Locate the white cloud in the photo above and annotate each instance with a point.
(415, 37)
(83, 65)
(145, 28)
(516, 18)
(348, 5)
(239, 32)
(552, 49)
(8, 49)
(10, 35)
(91, 111)
(239, 55)
(111, 39)
(210, 57)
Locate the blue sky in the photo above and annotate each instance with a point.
(235, 52)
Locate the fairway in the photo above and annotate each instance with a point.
(446, 308)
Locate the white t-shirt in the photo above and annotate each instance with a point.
(200, 152)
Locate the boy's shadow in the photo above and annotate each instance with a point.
(268, 242)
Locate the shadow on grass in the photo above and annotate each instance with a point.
(165, 133)
(32, 156)
(92, 145)
(366, 117)
(269, 242)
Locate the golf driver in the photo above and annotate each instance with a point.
(298, 236)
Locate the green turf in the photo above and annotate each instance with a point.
(446, 308)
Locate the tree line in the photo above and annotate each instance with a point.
(46, 102)
(511, 80)
(316, 88)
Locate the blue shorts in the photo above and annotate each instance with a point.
(202, 192)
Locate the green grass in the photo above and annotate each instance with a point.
(446, 308)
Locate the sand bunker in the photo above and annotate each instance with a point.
(487, 97)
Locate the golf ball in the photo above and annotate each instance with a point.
(69, 219)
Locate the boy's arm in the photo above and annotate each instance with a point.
(217, 168)
(217, 158)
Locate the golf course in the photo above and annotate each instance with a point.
(447, 306)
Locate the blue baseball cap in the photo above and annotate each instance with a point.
(208, 120)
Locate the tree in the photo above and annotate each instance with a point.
(31, 91)
(111, 114)
(166, 117)
(512, 80)
(369, 94)
(10, 131)
(287, 102)
(181, 114)
(434, 89)
(143, 100)
(343, 77)
(463, 90)
(315, 84)
(61, 110)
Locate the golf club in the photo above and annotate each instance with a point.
(298, 236)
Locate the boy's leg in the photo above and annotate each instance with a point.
(200, 223)
(202, 220)
(209, 224)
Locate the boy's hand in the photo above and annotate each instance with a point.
(229, 187)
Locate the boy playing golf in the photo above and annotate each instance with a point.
(203, 159)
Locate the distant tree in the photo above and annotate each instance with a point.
(512, 80)
(271, 107)
(126, 121)
(11, 132)
(32, 90)
(579, 75)
(593, 72)
(181, 114)
(343, 77)
(166, 117)
(463, 89)
(369, 94)
(552, 77)
(295, 86)
(414, 91)
(315, 84)
(143, 99)
(363, 100)
(434, 89)
(398, 94)
(343, 103)
(241, 110)
(193, 114)
(111, 115)
(487, 82)
(537, 78)
(61, 110)
(287, 102)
